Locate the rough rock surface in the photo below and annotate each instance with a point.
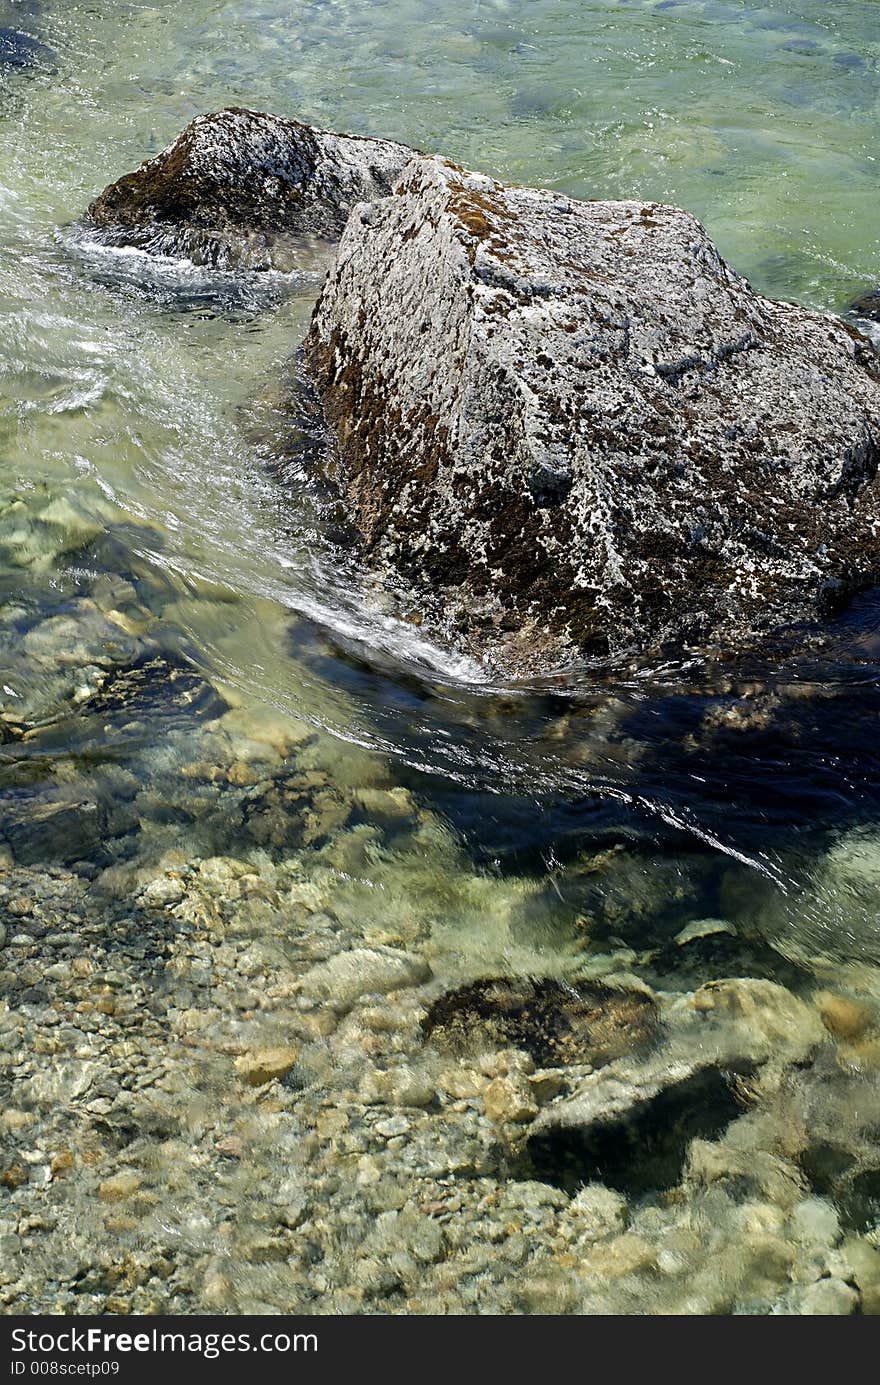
(570, 426)
(553, 1021)
(242, 189)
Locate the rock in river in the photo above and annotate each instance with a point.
(242, 189)
(556, 1022)
(347, 976)
(571, 426)
(630, 1124)
(867, 305)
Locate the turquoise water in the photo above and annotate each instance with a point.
(759, 118)
(142, 516)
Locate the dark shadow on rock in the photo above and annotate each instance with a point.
(642, 1152)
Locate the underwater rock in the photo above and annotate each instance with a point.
(638, 1146)
(343, 979)
(831, 1115)
(156, 685)
(23, 51)
(827, 1298)
(833, 914)
(41, 828)
(747, 1020)
(867, 305)
(509, 1099)
(295, 807)
(571, 427)
(556, 1022)
(261, 1065)
(241, 189)
(630, 1124)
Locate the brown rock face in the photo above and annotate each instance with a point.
(569, 427)
(554, 1021)
(242, 189)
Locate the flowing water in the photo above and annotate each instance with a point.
(192, 674)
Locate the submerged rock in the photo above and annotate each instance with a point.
(570, 426)
(556, 1022)
(630, 1124)
(643, 1144)
(40, 828)
(245, 189)
(347, 976)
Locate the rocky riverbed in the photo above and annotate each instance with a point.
(337, 975)
(279, 1076)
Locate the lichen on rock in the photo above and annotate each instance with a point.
(570, 427)
(242, 189)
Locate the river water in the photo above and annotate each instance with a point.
(192, 674)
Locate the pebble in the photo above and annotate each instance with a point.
(703, 928)
(394, 1125)
(510, 1099)
(161, 891)
(602, 1210)
(364, 971)
(262, 1065)
(815, 1221)
(120, 1186)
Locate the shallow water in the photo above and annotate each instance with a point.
(581, 823)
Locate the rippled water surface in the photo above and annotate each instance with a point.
(190, 673)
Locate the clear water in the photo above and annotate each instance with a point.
(141, 407)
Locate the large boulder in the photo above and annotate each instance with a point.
(568, 427)
(242, 189)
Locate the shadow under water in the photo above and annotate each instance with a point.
(337, 975)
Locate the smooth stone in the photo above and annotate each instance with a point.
(509, 1099)
(601, 1208)
(749, 1019)
(831, 1298)
(816, 1222)
(119, 1186)
(844, 1017)
(262, 1065)
(703, 928)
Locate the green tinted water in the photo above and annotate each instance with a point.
(516, 833)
